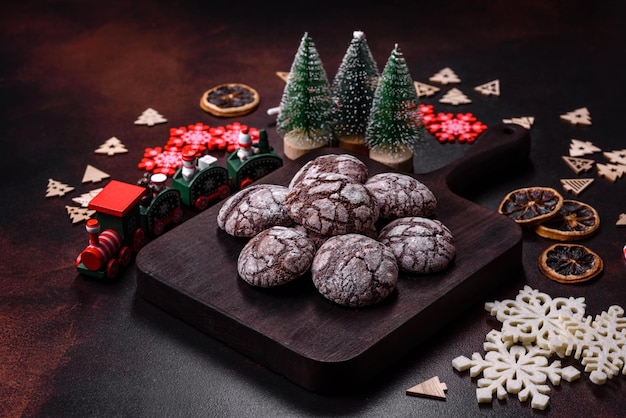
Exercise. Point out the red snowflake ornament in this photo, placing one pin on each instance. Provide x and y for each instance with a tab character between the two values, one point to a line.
200	137
447	127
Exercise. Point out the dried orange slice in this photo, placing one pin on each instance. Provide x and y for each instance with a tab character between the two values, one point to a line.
531	205
575	220
570	263
230	99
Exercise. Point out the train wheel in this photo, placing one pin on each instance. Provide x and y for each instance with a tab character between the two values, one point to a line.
138	239
245	182
224	191
113	267
177	215
158	227
202	203
125	255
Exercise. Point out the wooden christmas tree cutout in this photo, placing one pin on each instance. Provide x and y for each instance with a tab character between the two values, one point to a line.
431	388
425	90
455	97
445	76
93	175
283	75
77	214
150	117
111	146
526	121
616	157
578	117
491	88
85	198
576	186
579	148
611	171
56	188
578	164
621	221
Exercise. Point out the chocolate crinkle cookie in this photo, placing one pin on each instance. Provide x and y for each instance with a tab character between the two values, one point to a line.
345	164
420	245
332	204
400	195
275	256
253	209
354	270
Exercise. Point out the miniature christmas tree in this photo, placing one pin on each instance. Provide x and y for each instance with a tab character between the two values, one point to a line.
307	110
395	125
353	91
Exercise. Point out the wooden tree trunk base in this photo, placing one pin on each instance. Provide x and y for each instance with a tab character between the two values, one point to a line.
401	160
355	144
294	147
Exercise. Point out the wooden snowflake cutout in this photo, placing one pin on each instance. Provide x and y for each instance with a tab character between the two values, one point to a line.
94	175
425	90
576	186
578	165
431	388
84	199
150	117
578	117
77	214
491	88
579	148
525	121
616	157
600	343
111	146
521	369
611	172
56	188
455	97
534	316
445	76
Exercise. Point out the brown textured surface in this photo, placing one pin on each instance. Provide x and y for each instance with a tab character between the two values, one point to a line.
75	73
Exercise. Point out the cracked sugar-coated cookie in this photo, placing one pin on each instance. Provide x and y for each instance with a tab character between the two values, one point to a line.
253	209
354	270
332	204
420	245
345	164
275	256
400	195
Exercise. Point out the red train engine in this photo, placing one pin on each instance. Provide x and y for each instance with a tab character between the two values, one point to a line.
116	232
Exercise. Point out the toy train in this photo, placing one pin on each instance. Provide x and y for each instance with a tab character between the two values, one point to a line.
126	213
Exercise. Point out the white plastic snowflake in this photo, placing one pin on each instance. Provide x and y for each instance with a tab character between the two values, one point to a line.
535	327
534	317
520	369
600	342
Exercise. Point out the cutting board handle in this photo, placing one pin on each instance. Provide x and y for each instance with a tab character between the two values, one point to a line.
501	149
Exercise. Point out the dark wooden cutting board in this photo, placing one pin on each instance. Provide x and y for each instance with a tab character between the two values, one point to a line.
191	273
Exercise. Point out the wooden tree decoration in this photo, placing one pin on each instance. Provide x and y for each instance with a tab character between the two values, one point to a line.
353	91
395	125
307	110
150	117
